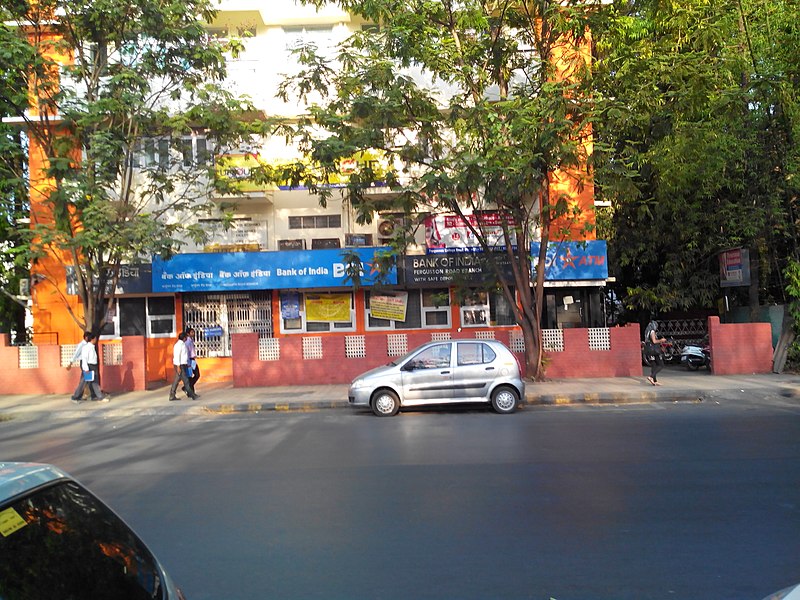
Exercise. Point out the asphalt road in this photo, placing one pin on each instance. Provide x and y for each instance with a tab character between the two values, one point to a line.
667	501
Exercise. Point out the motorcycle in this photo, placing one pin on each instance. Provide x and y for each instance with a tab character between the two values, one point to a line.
695	357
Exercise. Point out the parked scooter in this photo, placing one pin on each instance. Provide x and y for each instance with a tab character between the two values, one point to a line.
695	357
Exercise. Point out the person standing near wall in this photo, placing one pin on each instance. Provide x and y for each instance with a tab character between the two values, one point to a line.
194	368
180	362
91	368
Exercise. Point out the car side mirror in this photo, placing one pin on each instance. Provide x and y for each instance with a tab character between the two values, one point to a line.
410	366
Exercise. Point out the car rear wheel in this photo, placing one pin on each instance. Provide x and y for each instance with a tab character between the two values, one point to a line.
385	403
505	400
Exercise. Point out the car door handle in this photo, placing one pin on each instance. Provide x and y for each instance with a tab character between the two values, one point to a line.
490	368
445	373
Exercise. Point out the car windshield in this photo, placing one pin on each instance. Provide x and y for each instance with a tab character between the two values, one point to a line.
62	542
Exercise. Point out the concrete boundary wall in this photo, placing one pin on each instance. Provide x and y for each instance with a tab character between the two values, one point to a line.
740	348
49	377
737	348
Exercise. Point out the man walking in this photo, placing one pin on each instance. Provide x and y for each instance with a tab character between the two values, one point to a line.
180	362
77	395
91	369
194	368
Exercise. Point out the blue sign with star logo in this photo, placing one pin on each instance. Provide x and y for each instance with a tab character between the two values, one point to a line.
287	269
571	261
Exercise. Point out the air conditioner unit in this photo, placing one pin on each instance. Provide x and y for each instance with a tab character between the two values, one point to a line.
388	226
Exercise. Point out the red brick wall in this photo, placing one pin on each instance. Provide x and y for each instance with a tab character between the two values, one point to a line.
51	378
740	348
624	359
132	373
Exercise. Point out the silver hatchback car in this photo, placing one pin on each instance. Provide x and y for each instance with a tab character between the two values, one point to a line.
446	372
59	541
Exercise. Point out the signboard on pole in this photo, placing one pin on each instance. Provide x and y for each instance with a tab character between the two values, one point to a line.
734	267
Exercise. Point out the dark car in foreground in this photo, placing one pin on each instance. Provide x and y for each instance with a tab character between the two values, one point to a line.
443	372
58	541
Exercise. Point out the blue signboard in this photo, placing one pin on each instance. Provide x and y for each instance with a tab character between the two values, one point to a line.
572	261
262	270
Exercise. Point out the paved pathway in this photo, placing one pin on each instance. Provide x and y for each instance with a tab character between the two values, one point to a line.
678	385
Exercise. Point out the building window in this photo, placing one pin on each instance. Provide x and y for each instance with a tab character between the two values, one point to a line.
436	308
320	36
425	309
316	222
151	317
482	308
155	152
315	312
161	317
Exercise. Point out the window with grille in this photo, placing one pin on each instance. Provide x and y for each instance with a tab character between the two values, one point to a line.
215	317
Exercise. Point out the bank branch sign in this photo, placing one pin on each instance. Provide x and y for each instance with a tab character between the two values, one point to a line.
262	270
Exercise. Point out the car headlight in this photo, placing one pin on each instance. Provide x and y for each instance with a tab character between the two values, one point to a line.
357	383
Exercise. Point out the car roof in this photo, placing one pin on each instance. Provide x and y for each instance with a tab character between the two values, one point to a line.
18	478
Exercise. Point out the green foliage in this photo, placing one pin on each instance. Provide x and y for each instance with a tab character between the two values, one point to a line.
792	275
145	77
697	142
464	105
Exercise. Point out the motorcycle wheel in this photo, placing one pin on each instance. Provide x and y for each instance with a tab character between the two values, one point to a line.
692	366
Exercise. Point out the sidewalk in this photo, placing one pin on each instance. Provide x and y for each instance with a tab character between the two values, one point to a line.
678	385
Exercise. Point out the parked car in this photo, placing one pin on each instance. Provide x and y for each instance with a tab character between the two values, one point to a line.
58	541
790	593
445	372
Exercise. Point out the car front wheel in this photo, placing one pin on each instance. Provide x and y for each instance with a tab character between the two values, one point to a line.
505	400
385	403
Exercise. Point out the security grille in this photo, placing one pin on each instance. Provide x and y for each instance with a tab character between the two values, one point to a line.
683	332
553	340
112	354
484	335
355	346
67	352
440	336
28	357
312	348
269	349
516	342
599	338
215	317
396	344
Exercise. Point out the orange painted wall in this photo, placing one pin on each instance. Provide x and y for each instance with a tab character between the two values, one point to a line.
575	184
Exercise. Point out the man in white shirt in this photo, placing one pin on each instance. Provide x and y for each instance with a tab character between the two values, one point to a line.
77	395
180	362
90	368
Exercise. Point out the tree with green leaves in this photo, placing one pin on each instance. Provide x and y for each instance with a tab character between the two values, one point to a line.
13	190
473	106
699	127
123	101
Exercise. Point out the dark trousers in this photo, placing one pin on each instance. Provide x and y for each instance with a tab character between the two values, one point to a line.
195	374
657	363
94	386
181	375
